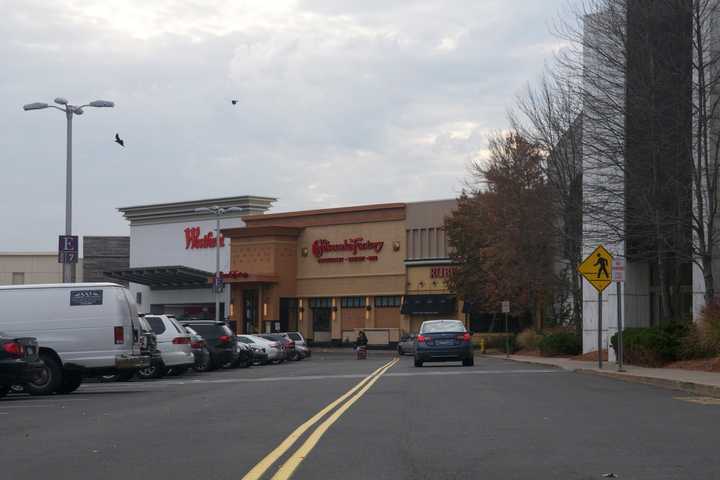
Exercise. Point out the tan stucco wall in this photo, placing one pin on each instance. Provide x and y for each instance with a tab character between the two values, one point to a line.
384	276
419	280
37	267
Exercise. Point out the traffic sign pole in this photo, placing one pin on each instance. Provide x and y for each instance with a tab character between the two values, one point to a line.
599	323
619	351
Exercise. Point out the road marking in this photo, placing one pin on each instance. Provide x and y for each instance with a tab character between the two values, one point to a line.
292	463
263	465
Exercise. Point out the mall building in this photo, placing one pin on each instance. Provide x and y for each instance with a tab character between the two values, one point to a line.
330	273
172	254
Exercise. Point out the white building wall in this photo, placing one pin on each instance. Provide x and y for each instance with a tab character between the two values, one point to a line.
164	244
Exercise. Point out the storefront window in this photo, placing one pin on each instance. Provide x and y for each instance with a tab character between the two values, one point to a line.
352	302
385	301
320	303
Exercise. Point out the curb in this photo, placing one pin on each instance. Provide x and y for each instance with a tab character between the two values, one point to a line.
679	385
690	387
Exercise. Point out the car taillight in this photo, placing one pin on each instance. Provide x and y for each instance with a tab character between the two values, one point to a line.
14	349
181	340
119	335
198	344
224	339
464	337
291	344
422	338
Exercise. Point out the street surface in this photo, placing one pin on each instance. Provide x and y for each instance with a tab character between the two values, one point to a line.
496	420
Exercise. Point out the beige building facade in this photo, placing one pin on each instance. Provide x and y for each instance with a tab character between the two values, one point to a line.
330	273
21	268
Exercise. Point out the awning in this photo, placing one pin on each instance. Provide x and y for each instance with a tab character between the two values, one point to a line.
165	277
428	305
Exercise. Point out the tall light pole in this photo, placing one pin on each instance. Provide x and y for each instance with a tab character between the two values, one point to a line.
218	212
69	111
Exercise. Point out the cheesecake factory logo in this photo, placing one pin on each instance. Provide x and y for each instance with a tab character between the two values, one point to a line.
354	246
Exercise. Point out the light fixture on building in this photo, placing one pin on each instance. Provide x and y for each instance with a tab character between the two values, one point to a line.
305	252
396	246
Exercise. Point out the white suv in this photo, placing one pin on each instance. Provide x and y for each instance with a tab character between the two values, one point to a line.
174	343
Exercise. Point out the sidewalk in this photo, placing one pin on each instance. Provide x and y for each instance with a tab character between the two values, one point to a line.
701	383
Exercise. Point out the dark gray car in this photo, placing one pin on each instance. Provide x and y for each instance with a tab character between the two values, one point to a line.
443	341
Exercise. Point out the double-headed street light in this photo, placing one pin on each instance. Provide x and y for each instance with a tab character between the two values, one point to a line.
218	212
69	111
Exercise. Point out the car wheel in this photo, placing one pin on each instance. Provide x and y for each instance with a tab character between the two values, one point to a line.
4	390
206	364
153	371
418	363
49	379
469	362
400	351
70	382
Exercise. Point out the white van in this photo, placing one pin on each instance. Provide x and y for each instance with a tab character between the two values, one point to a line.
83	329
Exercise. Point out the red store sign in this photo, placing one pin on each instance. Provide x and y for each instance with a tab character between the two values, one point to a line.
441	272
352	245
193	240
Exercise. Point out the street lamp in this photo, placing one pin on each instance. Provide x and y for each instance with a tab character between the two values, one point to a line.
218	212
69	111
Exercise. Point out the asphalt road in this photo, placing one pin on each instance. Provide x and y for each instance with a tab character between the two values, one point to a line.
497	420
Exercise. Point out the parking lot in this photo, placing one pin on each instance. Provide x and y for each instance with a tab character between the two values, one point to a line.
441	421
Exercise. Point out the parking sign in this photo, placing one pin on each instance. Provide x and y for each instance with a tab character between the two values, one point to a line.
67	249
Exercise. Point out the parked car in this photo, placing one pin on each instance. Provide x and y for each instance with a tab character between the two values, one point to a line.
287	342
245	355
150	341
274	349
219	340
19	361
83	329
200	351
175	347
407	344
259	352
300	344
442	341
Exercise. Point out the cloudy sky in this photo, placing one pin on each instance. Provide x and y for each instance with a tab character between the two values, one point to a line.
340	102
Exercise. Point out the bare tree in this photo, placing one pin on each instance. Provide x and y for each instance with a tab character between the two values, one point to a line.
549	115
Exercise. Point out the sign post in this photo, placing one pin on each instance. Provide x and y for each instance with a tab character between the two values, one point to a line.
597	269
505	307
619	278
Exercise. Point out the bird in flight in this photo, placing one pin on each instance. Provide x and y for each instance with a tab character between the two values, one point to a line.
119	140
234	102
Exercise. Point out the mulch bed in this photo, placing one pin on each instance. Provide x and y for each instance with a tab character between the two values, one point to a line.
703	364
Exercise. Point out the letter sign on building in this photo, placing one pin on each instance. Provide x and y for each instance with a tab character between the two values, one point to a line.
354	246
193	240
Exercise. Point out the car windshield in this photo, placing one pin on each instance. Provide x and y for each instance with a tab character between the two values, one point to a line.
295	336
443	326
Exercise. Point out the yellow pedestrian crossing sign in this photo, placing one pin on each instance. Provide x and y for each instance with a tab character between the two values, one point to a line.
597	268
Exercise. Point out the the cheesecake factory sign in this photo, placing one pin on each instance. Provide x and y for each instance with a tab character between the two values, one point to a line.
351	250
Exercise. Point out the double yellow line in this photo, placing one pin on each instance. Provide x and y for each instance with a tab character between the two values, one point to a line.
294	461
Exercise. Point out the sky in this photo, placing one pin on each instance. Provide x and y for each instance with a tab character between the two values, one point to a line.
339	102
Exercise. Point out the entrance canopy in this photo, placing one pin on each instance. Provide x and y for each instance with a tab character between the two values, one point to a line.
165	277
428	305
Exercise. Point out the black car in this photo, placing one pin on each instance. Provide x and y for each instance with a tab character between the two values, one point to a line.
220	342
19	361
442	341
